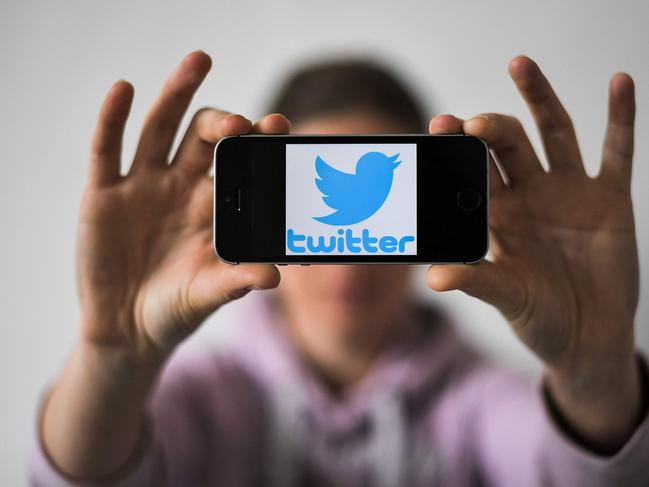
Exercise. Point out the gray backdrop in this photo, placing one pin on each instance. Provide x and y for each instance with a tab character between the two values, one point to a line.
57	59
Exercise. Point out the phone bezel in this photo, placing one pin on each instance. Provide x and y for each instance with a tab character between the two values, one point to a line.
354	259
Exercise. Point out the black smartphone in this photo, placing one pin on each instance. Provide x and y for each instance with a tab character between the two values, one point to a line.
334	199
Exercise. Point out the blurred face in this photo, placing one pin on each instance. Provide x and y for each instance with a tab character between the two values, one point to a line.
346	298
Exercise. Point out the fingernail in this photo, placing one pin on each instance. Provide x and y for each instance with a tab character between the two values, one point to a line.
237	115
240	293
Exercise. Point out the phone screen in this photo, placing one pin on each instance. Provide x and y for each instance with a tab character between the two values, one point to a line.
351	199
308	199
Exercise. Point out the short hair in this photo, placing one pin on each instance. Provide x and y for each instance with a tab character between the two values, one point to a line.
343	85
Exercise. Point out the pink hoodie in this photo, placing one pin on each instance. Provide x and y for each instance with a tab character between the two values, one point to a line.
431	412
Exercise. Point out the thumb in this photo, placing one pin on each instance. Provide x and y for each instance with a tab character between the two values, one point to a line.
220	283
485	280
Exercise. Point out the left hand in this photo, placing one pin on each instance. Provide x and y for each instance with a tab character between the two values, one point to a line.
564	261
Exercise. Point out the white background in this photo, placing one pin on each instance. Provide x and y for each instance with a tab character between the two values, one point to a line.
397	216
57	59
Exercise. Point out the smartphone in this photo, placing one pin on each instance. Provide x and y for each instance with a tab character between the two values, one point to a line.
342	199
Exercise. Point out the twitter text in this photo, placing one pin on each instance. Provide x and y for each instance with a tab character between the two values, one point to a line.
346	242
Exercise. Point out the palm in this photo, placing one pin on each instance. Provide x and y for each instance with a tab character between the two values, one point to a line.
564	237
564	265
144	245
147	273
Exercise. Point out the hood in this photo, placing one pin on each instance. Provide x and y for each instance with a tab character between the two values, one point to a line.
406	375
411	367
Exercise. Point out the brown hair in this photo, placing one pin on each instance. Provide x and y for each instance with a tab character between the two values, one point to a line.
343	85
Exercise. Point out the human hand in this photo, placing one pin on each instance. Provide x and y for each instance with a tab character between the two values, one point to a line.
146	267
564	261
147	274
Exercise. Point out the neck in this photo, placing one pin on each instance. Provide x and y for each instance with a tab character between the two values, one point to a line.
341	357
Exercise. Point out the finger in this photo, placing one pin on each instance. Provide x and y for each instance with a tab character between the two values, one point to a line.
506	136
449	124
208	126
106	147
273	124
445	124
220	283
484	280
497	175
164	117
554	124
617	155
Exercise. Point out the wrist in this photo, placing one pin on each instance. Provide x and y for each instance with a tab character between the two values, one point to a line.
600	403
93	418
116	368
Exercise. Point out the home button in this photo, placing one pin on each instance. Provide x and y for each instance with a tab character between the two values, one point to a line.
468	199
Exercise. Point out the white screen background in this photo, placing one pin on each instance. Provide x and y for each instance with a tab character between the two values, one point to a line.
397	217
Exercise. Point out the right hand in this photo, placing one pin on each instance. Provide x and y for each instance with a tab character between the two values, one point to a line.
147	274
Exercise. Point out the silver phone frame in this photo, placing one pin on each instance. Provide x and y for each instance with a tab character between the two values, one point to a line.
307	263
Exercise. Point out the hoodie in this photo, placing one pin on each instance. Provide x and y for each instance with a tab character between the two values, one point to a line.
431	411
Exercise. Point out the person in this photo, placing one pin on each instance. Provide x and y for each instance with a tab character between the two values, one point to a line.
339	376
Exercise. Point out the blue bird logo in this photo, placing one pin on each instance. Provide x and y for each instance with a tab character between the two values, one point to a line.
355	197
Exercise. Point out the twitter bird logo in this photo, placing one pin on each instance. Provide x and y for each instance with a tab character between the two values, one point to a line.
355	197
